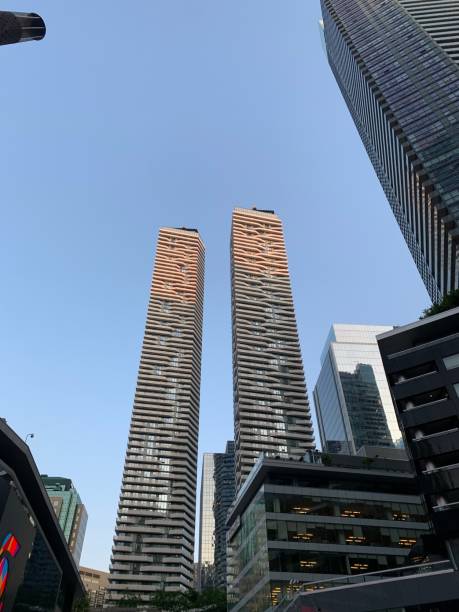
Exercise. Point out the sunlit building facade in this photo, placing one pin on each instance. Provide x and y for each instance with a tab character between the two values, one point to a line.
397	65
69	510
352	398
271	408
154	536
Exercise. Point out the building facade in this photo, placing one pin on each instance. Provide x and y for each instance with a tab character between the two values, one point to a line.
207	523
296	522
397	65
154	536
225	492
422	366
352	398
69	510
271	409
95	582
37	569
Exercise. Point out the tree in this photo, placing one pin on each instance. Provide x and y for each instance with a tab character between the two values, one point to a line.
450	300
81	605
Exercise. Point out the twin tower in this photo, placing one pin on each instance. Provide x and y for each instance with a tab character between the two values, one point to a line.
154	536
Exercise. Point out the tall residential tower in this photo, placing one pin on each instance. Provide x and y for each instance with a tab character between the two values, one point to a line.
397	65
271	409
154	536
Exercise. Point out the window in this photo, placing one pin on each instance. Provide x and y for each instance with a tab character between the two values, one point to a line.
451	362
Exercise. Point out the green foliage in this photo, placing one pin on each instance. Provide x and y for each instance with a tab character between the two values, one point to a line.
326	459
451	300
211	600
130	601
81	605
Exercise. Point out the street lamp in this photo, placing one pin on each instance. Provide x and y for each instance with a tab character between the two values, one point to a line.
20	27
30	435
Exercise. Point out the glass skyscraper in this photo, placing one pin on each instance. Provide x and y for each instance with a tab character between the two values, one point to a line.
154	538
271	408
225	490
207	522
70	511
352	398
397	65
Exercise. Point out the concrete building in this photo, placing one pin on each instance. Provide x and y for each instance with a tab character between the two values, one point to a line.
352	398
207	523
154	536
422	365
397	65
37	569
96	583
297	522
225	491
271	409
69	510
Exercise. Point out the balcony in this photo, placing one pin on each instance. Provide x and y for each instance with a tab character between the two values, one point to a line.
435	444
441	479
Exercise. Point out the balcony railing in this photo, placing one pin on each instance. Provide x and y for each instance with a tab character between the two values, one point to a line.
296	590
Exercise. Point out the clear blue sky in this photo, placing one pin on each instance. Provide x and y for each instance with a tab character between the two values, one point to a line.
131	116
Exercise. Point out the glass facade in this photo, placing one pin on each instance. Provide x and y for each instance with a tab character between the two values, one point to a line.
225	489
352	398
70	512
396	63
289	535
207	522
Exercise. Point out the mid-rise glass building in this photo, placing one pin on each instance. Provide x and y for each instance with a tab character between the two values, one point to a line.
352	398
397	65
297	522
69	510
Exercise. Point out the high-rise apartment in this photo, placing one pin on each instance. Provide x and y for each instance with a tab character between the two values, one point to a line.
69	510
271	409
154	536
207	523
352	398
224	497
397	64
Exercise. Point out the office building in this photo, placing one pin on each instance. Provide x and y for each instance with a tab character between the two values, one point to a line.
352	398
95	582
69	510
329	516
37	569
154	536
397	65
271	409
207	523
20	27
422	365
225	491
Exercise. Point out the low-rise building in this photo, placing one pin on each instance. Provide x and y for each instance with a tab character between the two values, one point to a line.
37	570
96	583
327	516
